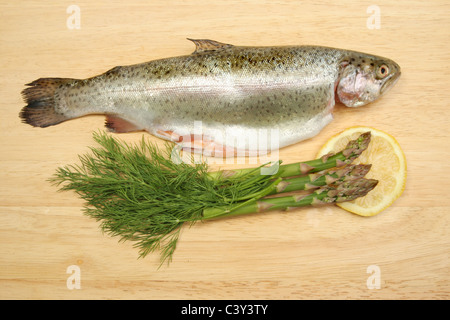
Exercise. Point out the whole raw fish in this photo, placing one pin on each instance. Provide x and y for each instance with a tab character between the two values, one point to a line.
221	98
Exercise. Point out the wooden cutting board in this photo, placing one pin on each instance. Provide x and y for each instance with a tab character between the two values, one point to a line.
50	250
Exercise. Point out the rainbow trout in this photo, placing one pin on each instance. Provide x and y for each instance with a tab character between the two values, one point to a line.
221	98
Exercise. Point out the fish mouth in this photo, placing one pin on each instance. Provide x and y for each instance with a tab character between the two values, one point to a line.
390	82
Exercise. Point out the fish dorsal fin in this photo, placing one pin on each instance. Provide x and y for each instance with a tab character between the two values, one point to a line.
203	45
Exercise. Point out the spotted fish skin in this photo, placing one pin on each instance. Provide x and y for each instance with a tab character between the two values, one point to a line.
220	94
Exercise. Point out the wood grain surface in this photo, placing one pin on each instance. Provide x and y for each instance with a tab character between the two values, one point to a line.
319	253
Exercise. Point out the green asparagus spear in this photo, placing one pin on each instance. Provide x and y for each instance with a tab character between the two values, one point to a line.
334	193
311	181
316	180
353	149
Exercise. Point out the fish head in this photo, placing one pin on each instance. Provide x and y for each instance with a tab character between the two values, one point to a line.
364	78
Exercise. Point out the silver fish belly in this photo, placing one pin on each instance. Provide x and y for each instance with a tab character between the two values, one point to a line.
221	97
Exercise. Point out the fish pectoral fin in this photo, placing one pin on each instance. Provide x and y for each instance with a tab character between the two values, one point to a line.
119	125
205	45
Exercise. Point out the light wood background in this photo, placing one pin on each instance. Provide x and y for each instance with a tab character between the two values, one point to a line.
314	253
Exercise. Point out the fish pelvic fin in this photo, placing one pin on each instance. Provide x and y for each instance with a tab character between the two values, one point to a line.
115	123
40	98
205	45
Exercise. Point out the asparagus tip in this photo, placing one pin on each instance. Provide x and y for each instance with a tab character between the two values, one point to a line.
355	189
355	147
357	171
346	191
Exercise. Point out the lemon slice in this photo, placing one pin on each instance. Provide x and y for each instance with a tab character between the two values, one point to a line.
388	167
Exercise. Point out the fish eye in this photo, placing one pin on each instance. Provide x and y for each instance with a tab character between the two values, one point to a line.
382	71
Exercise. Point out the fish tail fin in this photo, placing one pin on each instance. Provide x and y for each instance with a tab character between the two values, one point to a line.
40	98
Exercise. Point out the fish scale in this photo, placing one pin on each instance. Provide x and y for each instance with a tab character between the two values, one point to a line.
221	98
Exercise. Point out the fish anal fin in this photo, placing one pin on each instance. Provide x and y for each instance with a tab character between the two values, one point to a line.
205	45
119	125
200	144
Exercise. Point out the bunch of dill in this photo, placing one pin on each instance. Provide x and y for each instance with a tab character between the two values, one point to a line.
140	194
